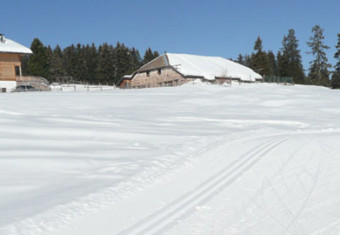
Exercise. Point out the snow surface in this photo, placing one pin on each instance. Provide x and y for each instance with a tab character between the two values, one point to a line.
210	67
196	159
11	46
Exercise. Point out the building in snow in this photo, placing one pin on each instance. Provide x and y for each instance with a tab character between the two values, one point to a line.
172	69
10	63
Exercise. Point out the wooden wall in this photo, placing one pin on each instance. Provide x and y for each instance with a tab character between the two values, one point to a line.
8	62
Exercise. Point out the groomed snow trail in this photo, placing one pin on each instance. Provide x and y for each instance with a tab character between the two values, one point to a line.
202	193
249	159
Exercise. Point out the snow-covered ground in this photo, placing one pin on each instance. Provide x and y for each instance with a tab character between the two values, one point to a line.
202	159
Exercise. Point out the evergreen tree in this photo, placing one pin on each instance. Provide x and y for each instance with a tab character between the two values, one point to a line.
137	60
49	56
91	57
69	60
259	59
336	75
80	68
56	68
240	59
272	63
282	65
318	71
106	69
248	60
123	60
291	53
37	64
24	65
150	55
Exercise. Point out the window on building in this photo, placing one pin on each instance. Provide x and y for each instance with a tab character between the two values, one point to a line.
17	71
148	73
159	71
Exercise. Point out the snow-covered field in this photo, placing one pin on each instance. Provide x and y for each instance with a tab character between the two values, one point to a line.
202	159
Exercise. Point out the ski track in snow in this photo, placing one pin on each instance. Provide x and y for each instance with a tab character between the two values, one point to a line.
183	206
213	160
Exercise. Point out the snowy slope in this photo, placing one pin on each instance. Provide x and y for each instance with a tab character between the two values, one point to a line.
210	67
202	159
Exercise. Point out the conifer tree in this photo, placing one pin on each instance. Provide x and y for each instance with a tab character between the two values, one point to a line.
56	69
259	59
91	55
282	65
123	60
248	60
106	69
37	64
80	67
49	56
137	60
291	53
272	63
336	75
69	60
240	59
149	55
318	71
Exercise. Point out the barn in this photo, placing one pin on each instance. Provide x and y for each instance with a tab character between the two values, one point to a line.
172	69
10	63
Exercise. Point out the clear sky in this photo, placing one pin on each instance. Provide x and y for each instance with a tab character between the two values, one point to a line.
218	28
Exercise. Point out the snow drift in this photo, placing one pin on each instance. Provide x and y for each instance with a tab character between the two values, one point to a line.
200	159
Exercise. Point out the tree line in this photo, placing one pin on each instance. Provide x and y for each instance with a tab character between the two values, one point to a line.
288	61
105	64
108	63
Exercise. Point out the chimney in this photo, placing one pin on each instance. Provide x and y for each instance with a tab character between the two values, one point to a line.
2	38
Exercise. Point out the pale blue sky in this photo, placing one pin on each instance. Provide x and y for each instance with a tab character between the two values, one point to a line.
218	28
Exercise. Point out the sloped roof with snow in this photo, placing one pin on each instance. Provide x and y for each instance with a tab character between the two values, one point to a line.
210	67
10	46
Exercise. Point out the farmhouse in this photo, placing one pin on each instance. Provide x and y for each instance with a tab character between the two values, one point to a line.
172	69
10	63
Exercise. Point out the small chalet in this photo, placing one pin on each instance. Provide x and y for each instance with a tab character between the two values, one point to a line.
10	63
172	69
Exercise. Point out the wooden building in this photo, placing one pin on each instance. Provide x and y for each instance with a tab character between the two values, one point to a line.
172	69
10	63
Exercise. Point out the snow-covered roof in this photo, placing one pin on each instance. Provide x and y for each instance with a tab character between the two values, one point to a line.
210	67
9	46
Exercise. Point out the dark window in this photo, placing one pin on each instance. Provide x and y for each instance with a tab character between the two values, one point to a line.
148	74
159	71
17	71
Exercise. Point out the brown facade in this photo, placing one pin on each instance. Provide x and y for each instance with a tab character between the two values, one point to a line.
10	66
125	83
157	78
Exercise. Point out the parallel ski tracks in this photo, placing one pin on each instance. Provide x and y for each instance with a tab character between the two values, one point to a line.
168	215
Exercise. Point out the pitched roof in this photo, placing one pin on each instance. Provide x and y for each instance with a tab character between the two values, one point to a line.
208	67
9	46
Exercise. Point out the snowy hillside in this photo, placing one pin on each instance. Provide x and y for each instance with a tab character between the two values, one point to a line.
203	159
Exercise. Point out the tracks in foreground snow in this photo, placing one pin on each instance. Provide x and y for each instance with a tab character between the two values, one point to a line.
167	216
